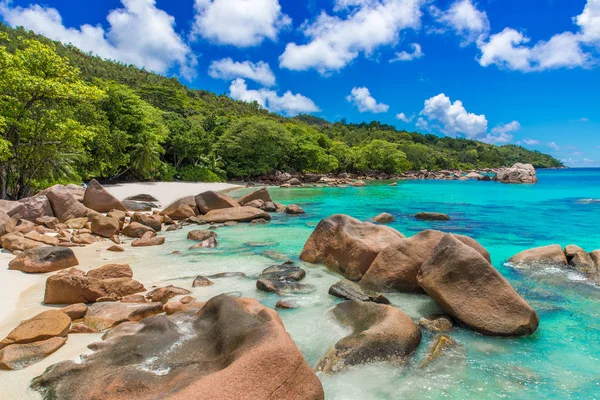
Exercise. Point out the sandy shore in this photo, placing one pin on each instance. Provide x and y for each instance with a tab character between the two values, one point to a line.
165	192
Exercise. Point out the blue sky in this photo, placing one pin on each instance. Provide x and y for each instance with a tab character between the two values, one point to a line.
501	71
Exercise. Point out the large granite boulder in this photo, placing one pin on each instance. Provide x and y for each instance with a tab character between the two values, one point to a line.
110	271
181	209
396	266
106	315
380	333
104	226
238	214
148	220
44	259
518	173
136	230
347	244
211	200
13	209
99	199
64	204
46	325
7	224
16	241
469	289
18	356
231	349
258	194
36	207
552	255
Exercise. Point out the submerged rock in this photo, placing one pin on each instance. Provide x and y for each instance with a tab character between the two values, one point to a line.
44	259
348	290
384	218
283	272
230	349
294	209
284	287
201	235
148	239
432	216
436	323
347	244
380	333
440	346
468	288
552	255
201	281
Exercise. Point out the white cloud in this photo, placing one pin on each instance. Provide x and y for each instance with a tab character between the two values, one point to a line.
335	41
138	34
511	49
553	145
507	128
531	142
228	69
583	119
240	23
406	56
402	117
451	118
289	104
502	133
465	19
361	98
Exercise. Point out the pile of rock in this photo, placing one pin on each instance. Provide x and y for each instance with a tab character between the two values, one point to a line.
454	270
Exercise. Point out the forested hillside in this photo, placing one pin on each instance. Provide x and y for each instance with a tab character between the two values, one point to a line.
66	116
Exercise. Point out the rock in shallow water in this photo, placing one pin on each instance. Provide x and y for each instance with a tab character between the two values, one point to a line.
348	290
230	349
432	216
283	287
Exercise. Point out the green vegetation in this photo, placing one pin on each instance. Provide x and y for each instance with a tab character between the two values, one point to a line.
67	116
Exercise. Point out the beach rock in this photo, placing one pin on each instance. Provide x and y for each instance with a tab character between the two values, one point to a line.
119	216
115	248
44	259
201	281
36	207
227	275
269	207
259	221
239	214
49	222
209	243
474	175
104	226
294	182
258	194
42	238
393	184
285	305
238	347
131	205
181	209
432	216
148	239
103	316
142	197
210	200
99	199
396	267
595	255
16	241
380	333
148	220
552	255
255	204
76	223
468	288
136	230
436	323
347	244
185	304
518	173
294	209
201	235
384	218
46	325
283	272
283	287
584	264
23	227
18	356
13	209
75	311
82	328
571	250
65	205
348	290
7	224
359	184
110	271
84	238
134	298
164	294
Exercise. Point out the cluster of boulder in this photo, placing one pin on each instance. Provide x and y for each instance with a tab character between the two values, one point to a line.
572	257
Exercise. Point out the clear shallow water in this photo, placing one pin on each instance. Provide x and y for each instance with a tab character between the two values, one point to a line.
561	360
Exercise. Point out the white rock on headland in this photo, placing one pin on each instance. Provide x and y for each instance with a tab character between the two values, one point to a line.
518	173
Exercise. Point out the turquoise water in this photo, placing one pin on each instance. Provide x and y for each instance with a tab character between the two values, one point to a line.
561	360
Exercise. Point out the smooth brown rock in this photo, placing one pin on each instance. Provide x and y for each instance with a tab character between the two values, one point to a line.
148	220
84	238
380	333
239	349
396	267
164	294
359	184
552	255
104	226
183	306
285	305
44	259
201	235
116	248
48	221
99	199
7	224
82	328
595	256
42	238
136	230
469	289
518	173
346	244
110	271
24	227
64	204
102	316
384	218
134	298
142	197
181	209
36	207
294	209
148	239
209	243
211	200
18	356
13	209
432	216
201	281
584	264
437	323
76	223
46	325
258	194
17	242
239	214
348	290
255	204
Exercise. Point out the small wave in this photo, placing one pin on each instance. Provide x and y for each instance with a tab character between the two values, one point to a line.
588	201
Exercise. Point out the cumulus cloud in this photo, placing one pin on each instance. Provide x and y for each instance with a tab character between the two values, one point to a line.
334	41
554	146
464	18
451	118
511	49
361	98
240	23
406	56
402	117
228	69
139	34
502	133
507	128
289	103
531	142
